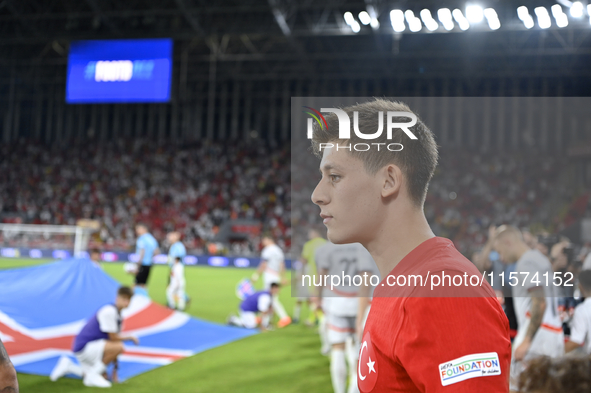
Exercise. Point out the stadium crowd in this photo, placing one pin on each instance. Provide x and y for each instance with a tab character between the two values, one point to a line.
191	187
471	191
197	187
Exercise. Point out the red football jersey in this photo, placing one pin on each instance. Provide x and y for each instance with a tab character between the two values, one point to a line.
442	339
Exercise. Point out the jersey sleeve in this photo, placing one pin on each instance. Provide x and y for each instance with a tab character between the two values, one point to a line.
264	302
265	255
175	251
107	318
320	256
306	251
534	277
579	328
178	271
279	254
140	243
443	344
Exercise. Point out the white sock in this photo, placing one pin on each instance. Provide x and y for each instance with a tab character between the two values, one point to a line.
235	320
265	320
99	367
338	370
75	369
323	332
170	296
67	367
181	300
296	311
352	350
278	308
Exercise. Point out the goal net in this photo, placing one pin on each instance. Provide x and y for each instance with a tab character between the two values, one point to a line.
46	241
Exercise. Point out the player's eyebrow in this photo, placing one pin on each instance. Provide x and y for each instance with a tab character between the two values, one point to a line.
328	167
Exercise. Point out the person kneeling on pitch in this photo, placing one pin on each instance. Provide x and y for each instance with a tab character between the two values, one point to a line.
256	309
98	344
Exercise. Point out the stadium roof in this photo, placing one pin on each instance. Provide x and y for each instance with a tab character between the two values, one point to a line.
238	62
283	39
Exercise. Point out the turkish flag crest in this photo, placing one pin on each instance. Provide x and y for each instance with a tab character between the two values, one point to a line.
367	368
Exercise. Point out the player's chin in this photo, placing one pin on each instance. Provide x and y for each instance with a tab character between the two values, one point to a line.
340	237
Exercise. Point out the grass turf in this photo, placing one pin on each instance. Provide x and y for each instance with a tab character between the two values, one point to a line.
284	360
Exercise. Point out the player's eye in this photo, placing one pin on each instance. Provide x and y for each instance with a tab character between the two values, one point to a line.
334	178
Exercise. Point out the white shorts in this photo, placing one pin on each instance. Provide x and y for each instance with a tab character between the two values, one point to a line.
269	279
546	342
92	353
176	284
341	306
248	319
339	328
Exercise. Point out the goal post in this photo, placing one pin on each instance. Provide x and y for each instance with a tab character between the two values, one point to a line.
33	236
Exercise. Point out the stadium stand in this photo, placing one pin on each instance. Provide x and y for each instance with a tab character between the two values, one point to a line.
197	187
193	187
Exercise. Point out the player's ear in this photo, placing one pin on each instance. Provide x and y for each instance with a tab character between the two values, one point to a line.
391	180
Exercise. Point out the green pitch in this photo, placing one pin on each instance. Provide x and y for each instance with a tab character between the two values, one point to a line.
283	360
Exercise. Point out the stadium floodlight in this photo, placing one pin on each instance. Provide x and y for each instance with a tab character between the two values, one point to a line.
414	23
349	19
353	24
474	13
559	16
397	20
444	16
428	20
373	22
461	19
525	17
576	10
364	18
543	17
492	18
523	13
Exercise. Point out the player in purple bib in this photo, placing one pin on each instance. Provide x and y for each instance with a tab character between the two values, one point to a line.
256	309
98	344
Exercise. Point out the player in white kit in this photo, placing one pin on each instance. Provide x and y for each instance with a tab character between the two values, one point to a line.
535	299
272	267
580	326
341	307
175	292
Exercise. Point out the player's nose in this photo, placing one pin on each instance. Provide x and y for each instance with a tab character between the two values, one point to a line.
319	196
